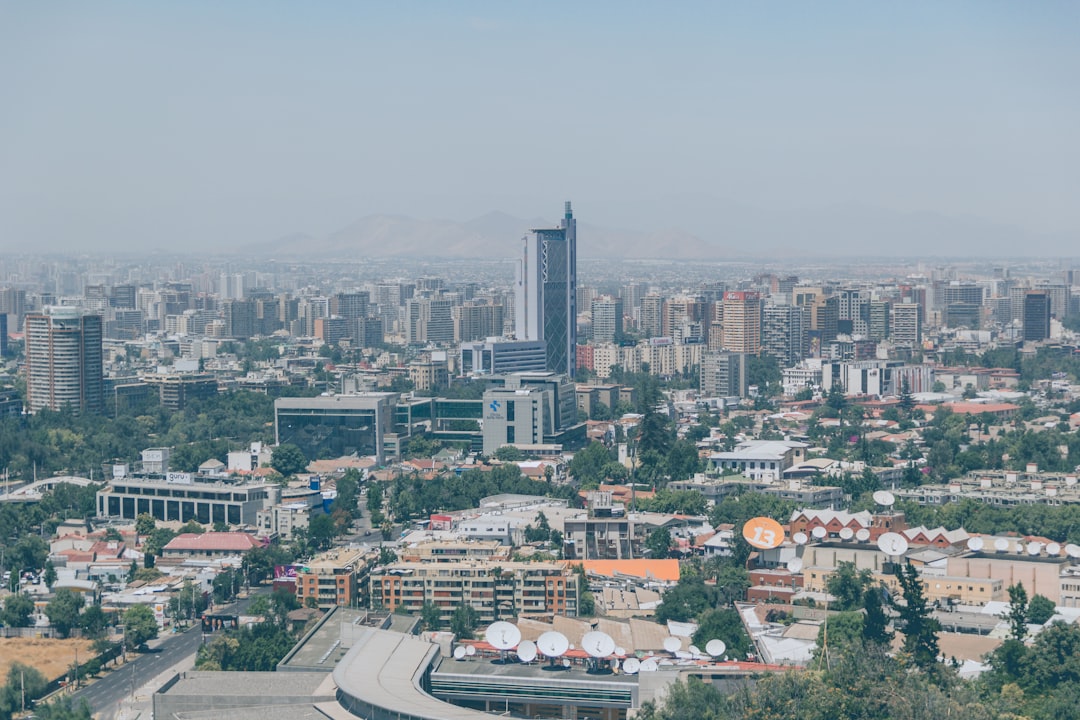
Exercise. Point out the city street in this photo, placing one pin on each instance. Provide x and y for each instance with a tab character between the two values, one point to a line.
106	693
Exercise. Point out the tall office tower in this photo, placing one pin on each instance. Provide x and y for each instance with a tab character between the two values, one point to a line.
854	312
907	324
963	315
477	321
428	320
122	296
3	334
13	303
545	304
231	286
430	284
681	311
1036	315
1059	298
631	295
607	318
652	316
742	322
585	295
64	361
240	319
785	287
1016	302
267	315
351	306
784	333
369	332
877	324
724	374
95	297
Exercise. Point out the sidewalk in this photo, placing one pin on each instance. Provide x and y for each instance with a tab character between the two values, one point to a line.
141	707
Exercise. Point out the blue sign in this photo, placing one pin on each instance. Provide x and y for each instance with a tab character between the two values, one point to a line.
494	405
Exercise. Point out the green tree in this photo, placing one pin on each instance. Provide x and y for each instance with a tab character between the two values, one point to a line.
723	624
689	598
875	622
848	585
63	610
49	574
586	600
18	609
430	616
63	707
386	556
145	524
1017	614
463	621
919	626
659	543
588	464
139	625
288	459
509	453
1040	609
192	526
321	531
24	685
94	622
683	460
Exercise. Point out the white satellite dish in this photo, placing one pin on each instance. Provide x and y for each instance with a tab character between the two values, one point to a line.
975	544
1072	550
566	662
459	652
1034	548
631	665
470	650
526	651
1019	547
893	544
648	665
800	538
552	644
621	651
795	565
819	532
672	644
1001	544
862	534
502	635
696	650
884	497
846	533
1053	549
598	644
715	647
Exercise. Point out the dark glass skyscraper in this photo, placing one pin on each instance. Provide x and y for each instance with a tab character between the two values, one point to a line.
545	306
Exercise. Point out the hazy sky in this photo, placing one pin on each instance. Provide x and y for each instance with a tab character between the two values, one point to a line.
205	125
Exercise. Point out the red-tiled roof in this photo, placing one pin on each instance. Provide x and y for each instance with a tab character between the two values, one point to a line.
213	542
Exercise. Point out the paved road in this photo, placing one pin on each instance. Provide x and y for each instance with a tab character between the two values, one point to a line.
112	688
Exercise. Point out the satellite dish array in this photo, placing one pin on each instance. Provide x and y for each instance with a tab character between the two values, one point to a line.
1033	548
502	636
599	645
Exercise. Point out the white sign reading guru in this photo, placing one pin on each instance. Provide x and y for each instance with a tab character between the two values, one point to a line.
179	477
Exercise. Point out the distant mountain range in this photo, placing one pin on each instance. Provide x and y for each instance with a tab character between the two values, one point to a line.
702	228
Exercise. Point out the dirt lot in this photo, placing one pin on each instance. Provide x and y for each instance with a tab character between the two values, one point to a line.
48	656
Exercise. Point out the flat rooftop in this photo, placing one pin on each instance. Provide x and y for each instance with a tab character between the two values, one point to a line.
246	684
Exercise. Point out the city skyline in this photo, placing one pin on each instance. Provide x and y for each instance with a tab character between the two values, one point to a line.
835	130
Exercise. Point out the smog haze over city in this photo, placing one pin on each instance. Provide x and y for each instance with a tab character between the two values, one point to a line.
686	130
